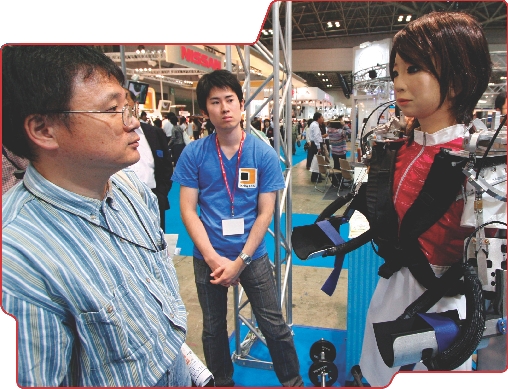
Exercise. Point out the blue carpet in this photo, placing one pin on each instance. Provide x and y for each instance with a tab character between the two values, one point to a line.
304	337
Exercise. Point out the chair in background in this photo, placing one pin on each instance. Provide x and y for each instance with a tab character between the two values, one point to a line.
348	173
326	170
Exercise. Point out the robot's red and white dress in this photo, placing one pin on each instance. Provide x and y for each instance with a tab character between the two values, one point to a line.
442	245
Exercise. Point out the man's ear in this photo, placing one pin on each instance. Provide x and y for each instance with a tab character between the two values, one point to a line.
242	105
41	131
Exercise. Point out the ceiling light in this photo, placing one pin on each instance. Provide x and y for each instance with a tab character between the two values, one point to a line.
365	44
408	18
401	18
502	78
271	31
337	24
330	24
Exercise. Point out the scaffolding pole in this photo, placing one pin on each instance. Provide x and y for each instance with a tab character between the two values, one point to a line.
281	113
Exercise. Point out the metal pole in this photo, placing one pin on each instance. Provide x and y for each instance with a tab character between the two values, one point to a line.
289	141
229	65
248	110
122	63
276	136
160	80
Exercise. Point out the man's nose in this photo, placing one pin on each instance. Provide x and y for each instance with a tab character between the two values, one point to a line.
134	123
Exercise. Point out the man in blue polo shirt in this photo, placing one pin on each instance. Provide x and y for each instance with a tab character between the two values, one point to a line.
233	177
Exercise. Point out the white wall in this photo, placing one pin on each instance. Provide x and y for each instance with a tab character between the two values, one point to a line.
313	60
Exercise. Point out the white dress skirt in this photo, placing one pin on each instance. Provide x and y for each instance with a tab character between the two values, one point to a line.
390	299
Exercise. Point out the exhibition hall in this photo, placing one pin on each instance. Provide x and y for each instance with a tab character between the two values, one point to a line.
325	206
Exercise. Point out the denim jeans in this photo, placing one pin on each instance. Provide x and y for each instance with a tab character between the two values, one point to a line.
178	375
258	282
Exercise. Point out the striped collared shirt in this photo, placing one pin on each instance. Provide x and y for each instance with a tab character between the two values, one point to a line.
91	284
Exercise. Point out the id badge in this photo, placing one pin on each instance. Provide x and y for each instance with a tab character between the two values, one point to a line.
232	227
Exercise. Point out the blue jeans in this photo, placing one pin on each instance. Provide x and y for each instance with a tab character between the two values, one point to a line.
259	284
178	375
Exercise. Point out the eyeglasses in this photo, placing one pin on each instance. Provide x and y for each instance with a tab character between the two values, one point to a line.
127	113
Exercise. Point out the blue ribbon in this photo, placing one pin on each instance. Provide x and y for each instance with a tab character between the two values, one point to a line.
331	283
445	328
446	331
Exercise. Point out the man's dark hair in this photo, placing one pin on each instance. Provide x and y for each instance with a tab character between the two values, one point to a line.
40	79
499	102
143	113
316	116
220	79
173	120
452	47
157	123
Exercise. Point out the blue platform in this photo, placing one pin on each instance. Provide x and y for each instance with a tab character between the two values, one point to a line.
304	337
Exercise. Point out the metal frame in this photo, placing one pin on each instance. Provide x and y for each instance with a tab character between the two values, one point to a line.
281	98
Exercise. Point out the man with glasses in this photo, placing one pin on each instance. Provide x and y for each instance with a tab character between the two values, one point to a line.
85	266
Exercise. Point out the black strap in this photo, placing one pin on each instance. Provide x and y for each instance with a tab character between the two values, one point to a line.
437	195
381	211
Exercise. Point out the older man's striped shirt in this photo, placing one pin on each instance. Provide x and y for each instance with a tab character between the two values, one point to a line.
91	285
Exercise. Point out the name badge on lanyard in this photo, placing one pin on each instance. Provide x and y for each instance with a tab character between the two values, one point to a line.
233	226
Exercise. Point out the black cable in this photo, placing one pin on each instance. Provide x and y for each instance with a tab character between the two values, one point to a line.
482	162
367	120
381	114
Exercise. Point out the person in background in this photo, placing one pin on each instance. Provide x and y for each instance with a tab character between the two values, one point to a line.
143	117
500	103
209	127
158	123
233	177
440	91
294	135
196	131
256	123
13	169
182	122
346	126
323	127
177	142
305	127
316	142
168	126
337	134
85	266
154	167
268	130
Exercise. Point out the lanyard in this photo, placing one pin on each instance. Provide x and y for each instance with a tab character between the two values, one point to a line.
231	195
